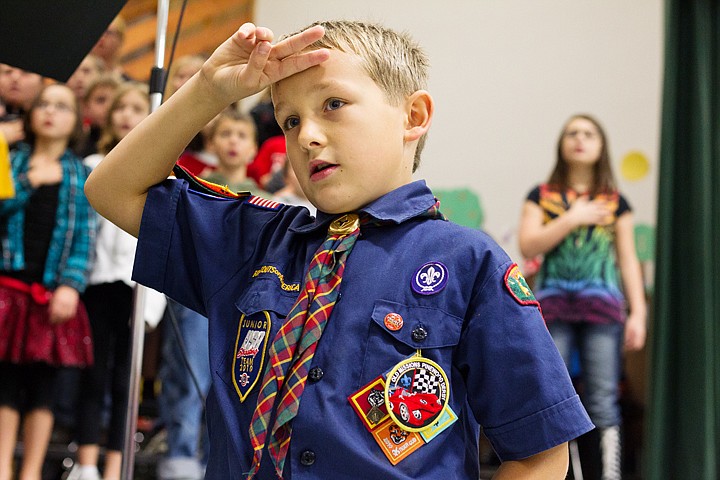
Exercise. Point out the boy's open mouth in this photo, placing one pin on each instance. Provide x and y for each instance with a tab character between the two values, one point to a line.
318	166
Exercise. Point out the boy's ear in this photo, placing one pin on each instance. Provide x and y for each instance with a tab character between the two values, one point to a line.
420	108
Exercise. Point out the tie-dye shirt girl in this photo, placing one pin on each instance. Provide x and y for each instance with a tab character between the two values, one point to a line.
579	279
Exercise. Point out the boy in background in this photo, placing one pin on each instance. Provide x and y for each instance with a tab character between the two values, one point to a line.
232	137
386	368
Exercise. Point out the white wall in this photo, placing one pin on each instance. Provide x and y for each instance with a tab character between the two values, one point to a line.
505	76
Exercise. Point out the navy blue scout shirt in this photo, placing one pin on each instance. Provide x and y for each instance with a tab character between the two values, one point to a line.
242	265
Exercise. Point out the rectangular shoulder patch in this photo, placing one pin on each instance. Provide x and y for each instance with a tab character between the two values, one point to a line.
264	203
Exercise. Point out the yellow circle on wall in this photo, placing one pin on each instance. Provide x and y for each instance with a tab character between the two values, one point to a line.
634	166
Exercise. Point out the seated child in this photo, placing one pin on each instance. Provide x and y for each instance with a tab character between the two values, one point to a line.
386	368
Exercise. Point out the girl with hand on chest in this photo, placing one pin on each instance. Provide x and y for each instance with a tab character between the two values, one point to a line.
47	235
590	284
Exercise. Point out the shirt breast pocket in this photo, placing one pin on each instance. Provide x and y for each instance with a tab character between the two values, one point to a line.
398	331
260	313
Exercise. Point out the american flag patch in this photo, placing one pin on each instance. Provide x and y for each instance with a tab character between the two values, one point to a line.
264	202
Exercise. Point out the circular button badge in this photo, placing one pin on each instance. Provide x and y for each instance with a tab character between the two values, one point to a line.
393	322
429	279
416	393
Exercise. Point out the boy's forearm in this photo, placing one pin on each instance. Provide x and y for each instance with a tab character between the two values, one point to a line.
550	464
118	186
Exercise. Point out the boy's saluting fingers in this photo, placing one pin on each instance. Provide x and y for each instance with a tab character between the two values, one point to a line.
296	43
247	62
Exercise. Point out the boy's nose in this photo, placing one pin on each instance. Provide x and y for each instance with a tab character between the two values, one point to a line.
310	135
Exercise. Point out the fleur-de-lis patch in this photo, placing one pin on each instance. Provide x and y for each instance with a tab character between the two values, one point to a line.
430	278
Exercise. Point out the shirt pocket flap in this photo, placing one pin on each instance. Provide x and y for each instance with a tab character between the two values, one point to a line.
421	327
265	296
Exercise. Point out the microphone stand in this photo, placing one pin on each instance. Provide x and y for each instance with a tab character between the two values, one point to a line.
138	317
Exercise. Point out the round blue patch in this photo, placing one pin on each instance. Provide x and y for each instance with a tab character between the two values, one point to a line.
429	279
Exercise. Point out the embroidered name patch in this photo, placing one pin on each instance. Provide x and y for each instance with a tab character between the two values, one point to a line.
291	287
249	356
518	287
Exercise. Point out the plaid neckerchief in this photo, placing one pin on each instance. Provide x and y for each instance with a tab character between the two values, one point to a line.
294	345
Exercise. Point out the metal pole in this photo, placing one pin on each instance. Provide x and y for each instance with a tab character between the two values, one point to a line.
156	93
136	354
138	314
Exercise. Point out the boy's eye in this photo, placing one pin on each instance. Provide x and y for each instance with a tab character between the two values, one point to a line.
290	122
334	104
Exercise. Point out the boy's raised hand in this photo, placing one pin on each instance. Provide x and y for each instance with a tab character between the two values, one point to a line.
246	63
243	65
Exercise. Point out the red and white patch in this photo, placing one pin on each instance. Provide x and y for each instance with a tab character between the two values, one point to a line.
264	202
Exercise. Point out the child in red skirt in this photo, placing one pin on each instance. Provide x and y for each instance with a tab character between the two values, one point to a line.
46	238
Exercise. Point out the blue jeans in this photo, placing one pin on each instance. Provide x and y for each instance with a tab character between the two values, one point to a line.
181	410
599	348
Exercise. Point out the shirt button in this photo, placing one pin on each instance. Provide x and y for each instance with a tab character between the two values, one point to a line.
307	458
419	334
315	374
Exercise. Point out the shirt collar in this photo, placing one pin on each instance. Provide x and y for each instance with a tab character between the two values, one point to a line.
397	206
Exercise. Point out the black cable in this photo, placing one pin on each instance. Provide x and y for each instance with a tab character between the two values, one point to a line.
183	352
162	80
174	44
173	319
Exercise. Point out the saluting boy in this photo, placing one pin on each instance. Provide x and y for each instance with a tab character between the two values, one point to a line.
371	341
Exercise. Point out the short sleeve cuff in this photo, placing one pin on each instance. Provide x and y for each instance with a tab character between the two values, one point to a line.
538	432
153	247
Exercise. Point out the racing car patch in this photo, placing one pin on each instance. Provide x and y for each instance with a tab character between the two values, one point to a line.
416	393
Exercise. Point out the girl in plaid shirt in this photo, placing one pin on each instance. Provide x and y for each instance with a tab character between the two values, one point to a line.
47	239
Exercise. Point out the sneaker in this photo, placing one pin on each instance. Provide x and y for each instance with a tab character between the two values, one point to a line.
83	472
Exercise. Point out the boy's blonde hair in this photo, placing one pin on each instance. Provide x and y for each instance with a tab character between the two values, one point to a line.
391	59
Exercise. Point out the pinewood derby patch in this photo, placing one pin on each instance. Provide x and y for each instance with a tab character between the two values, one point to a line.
249	353
416	393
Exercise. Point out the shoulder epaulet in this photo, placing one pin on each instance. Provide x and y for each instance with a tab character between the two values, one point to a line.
197	184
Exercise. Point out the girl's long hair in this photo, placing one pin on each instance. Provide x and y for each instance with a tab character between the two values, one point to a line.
603	179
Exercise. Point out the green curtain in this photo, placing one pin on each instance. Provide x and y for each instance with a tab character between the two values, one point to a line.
683	419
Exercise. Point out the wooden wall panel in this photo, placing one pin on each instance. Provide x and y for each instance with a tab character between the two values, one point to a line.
206	24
